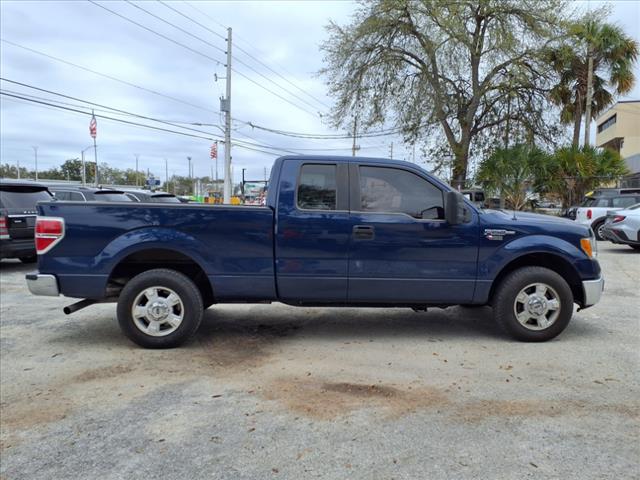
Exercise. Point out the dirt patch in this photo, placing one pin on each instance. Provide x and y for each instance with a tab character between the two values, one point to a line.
101	373
325	401
230	345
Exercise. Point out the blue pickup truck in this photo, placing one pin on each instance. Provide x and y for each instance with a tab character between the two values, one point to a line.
336	231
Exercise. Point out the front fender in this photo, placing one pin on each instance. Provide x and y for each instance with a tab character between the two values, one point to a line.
492	260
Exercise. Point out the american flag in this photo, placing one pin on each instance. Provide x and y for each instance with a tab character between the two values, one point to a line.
93	126
214	150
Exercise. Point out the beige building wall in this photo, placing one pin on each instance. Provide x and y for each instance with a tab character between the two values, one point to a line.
619	129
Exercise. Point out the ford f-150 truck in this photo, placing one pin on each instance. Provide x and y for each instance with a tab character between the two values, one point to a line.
335	231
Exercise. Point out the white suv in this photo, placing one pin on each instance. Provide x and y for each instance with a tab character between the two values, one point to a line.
593	211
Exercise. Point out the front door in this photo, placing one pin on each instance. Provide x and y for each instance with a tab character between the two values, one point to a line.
312	232
402	250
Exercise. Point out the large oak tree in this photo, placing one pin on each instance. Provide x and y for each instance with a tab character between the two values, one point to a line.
466	72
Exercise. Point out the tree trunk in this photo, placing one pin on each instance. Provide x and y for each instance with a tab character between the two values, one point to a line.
459	177
577	118
587	109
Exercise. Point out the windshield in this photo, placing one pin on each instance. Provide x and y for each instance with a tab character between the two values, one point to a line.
22	197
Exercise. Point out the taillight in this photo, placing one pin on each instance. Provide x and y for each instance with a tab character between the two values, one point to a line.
49	231
4	229
618	218
589	214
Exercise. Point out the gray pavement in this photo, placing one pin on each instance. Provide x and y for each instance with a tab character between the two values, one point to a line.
270	391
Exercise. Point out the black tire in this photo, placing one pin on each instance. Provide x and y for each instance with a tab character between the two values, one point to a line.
635	247
31	259
504	303
182	286
596	227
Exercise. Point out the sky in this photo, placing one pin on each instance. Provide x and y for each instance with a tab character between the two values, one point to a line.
275	84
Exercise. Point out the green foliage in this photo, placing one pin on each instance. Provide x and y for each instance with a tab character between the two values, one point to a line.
509	171
467	73
571	172
614	55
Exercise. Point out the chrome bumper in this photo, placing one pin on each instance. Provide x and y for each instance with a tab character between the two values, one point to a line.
592	291
41	284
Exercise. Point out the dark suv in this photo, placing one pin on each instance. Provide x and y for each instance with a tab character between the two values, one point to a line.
18	200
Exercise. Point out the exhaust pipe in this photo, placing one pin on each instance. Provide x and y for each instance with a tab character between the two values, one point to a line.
74	307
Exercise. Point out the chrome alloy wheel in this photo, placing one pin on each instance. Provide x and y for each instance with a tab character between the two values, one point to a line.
157	311
537	306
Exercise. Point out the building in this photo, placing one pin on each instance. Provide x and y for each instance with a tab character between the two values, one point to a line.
619	129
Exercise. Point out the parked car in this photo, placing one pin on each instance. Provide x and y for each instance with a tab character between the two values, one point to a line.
623	226
18	199
475	196
593	211
82	193
152	197
335	231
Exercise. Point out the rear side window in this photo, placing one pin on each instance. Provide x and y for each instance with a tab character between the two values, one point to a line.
596	202
22	197
111	197
132	197
317	188
622	202
165	199
392	190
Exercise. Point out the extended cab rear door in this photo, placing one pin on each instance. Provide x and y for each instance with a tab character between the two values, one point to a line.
402	249
312	231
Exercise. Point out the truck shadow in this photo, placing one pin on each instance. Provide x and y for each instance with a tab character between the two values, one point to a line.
12	266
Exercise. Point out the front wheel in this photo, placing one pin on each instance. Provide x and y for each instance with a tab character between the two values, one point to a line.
160	308
533	304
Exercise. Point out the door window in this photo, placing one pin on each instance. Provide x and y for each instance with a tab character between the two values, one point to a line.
317	188
392	190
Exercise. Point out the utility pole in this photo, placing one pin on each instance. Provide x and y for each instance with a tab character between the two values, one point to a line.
18	162
35	149
391	151
242	189
226	108
137	180
190	178
95	149
166	174
355	133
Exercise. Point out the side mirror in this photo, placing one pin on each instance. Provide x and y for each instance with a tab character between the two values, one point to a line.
453	208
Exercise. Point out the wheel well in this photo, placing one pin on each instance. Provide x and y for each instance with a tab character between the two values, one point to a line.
546	260
144	260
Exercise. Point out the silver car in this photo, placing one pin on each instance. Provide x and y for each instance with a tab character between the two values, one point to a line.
623	226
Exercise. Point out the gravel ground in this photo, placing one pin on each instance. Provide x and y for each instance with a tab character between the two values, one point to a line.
272	391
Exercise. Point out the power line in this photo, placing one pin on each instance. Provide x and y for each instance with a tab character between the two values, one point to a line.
243	50
320	136
250	56
240	144
144	117
110	77
104	116
197	52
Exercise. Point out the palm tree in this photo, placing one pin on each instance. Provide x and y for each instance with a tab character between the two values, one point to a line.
596	65
509	171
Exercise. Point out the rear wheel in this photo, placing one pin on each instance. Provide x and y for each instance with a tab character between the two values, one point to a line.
533	304
160	308
635	247
598	229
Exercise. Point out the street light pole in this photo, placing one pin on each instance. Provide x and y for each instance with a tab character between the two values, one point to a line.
84	169
137	181
35	149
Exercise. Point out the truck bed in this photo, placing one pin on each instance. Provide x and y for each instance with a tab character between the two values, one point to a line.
233	245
